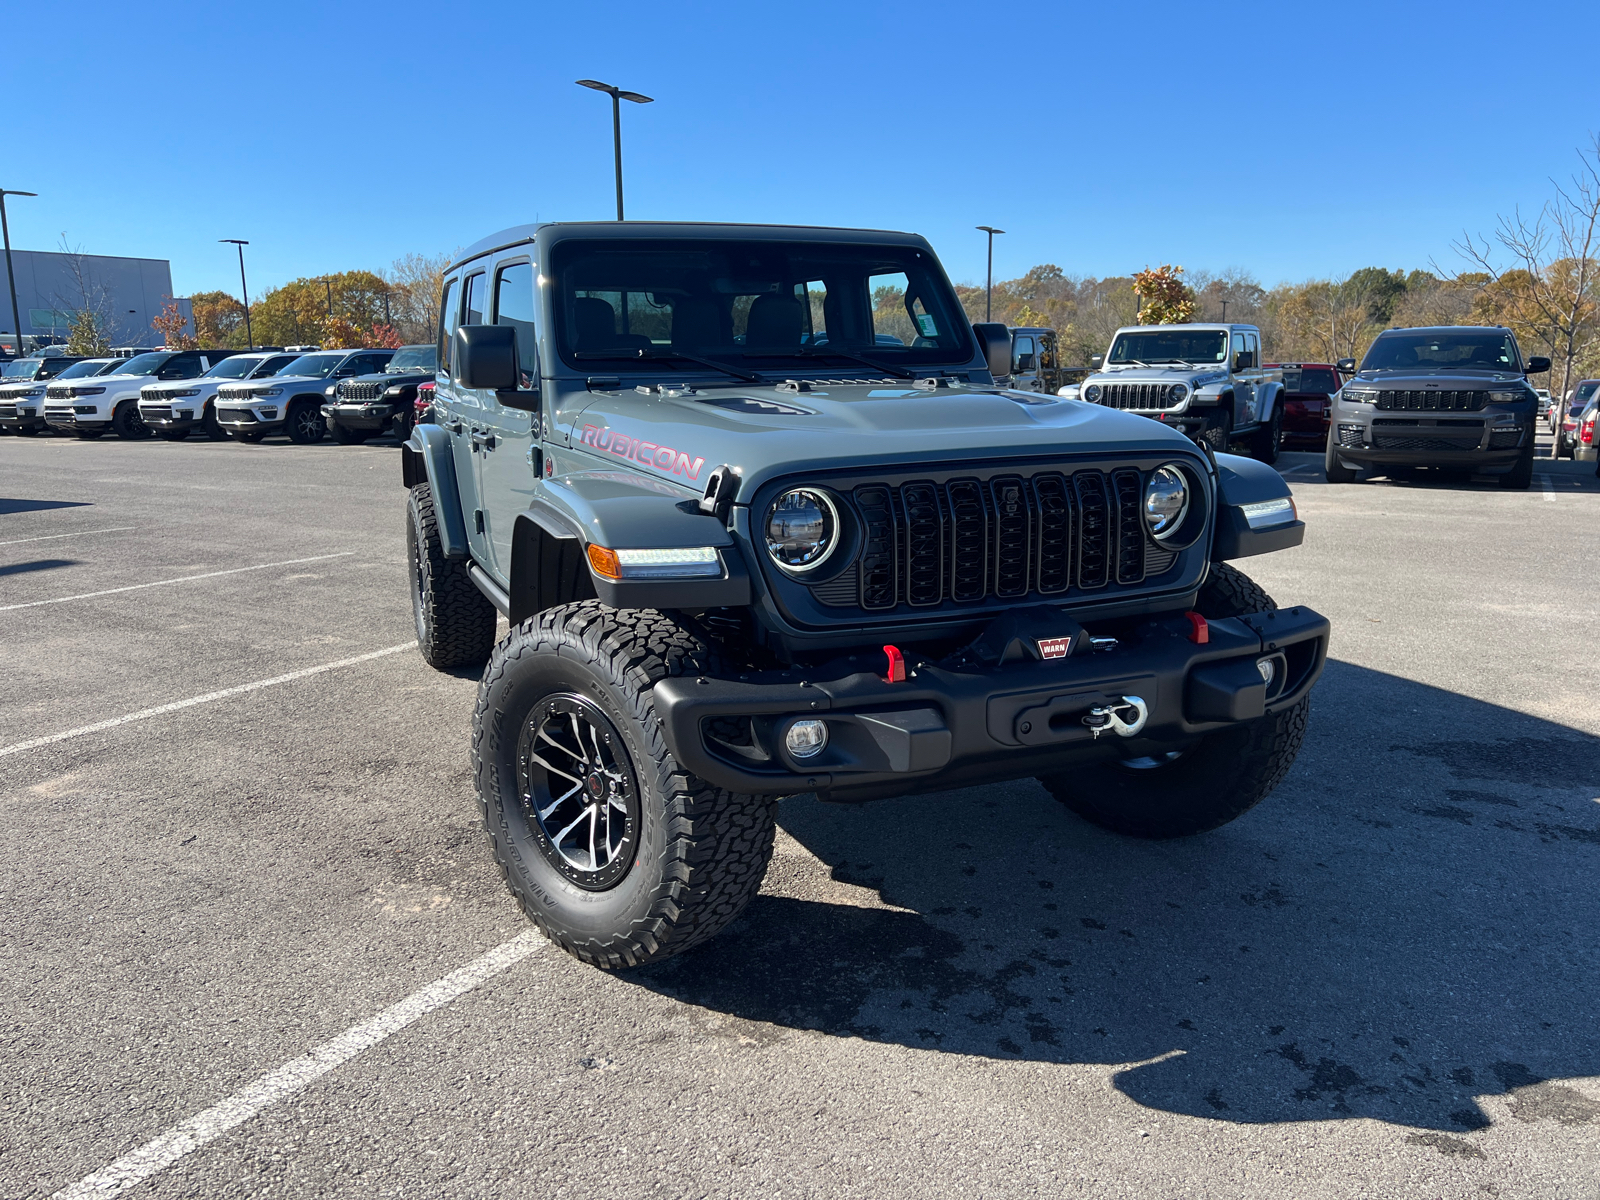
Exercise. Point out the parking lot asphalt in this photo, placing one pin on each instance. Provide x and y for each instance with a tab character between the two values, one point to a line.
1380	982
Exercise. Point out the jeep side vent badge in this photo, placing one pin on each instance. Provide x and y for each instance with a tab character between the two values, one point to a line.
721	487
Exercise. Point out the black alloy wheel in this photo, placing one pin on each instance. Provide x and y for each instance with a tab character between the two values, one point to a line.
578	791
127	422
305	425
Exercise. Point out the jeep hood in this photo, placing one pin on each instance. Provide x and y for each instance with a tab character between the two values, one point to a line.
1195	375
1450	380
764	432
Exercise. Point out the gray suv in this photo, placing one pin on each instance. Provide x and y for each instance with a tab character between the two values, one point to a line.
762	522
1453	397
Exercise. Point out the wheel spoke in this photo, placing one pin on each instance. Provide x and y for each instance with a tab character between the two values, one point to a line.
577	736
545	734
562	835
557	770
559	800
594	821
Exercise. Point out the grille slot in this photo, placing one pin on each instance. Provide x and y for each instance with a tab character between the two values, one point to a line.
1127	485
1094	531
350	389
1391	442
1432	400
878	547
1505	439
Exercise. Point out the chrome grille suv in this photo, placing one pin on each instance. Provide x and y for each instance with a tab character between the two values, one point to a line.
358	389
1135	395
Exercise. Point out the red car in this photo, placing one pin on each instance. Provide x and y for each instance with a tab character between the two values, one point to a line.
1308	390
422	406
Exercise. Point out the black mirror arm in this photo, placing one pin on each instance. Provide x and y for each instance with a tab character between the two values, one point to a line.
524	399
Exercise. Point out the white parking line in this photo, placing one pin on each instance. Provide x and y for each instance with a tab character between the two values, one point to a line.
134	587
1549	487
81	533
145	713
294	1076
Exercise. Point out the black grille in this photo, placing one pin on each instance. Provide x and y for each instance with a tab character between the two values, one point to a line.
59	414
151	413
1134	395
7	412
1432	400
1390	442
235	416
966	540
353	389
1350	435
1504	439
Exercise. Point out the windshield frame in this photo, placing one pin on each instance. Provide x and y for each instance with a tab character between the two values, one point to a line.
1159	331
781	257
1392	337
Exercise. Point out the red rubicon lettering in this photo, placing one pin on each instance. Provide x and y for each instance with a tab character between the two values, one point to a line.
662	458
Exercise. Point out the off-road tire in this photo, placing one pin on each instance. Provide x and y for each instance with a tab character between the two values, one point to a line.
455	621
1332	468
401	424
127	424
302	430
1520	477
1218	430
1268	437
701	852
346	436
1219	778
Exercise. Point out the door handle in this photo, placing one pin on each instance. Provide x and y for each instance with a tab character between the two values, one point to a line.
454	427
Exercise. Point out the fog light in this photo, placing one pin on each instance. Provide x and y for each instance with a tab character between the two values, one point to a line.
1267	669
806	738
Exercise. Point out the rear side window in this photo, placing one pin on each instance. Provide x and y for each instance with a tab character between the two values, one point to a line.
477	300
449	317
513	305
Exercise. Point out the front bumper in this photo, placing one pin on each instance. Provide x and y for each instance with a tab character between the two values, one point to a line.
948	726
361	415
166	416
20	417
1480	441
236	420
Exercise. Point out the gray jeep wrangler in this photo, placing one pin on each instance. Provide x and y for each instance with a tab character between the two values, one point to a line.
763	524
1206	380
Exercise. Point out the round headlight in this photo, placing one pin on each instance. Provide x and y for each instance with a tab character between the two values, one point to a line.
802	529
1092	393
1176	393
1166	500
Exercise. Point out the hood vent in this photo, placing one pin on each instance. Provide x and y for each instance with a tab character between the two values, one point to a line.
764	408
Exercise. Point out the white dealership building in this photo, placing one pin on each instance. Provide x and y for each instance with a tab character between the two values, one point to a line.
51	286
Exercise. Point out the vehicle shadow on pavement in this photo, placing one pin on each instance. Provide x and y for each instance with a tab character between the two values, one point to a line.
9	506
1405	925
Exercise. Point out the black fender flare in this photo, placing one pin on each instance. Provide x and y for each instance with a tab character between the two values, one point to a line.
1243	481
427	457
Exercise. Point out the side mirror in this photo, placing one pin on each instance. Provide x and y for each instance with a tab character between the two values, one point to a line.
1245	360
1537	365
1346	366
1097	361
1024	362
995	339
486	359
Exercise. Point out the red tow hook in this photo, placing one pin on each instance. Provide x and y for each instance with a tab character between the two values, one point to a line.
897	665
1199	631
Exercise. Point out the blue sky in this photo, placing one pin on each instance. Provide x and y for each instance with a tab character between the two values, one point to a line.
1290	140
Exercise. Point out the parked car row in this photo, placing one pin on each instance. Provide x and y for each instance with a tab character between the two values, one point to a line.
303	393
1566	417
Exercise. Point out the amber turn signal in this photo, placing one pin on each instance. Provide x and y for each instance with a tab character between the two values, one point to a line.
604	563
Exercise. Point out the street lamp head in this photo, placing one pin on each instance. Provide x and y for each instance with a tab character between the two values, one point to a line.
234	241
990	229
597	85
637	98
9	192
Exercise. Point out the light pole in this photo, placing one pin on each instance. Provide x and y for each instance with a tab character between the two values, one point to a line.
248	335
988	276
329	286
1224	312
11	276
617	95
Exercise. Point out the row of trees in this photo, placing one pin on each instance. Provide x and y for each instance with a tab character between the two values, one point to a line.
1538	275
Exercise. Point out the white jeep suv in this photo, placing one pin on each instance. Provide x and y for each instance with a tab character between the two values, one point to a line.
90	407
174	410
291	401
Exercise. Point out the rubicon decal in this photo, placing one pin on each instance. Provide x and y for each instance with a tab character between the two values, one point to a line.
662	458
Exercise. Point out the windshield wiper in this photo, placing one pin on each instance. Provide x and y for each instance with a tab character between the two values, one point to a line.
897	372
653	354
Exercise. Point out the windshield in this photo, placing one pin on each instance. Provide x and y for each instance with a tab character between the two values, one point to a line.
1310	379
79	369
273	365
1463	350
237	367
142	364
1584	391
414	358
22	368
1170	345
755	306
317	366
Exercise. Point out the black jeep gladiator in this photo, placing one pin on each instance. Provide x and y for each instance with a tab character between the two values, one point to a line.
364	406
762	523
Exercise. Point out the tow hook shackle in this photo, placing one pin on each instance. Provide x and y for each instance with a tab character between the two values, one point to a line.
1125	719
